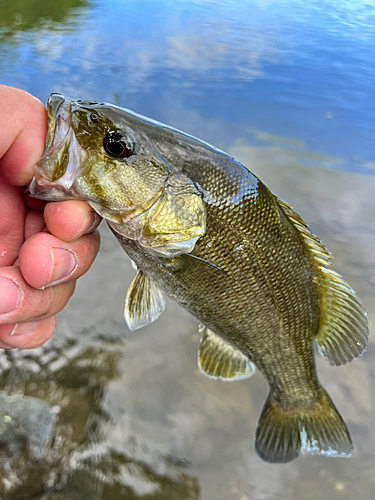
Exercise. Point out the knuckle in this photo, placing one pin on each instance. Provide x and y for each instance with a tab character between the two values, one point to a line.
55	298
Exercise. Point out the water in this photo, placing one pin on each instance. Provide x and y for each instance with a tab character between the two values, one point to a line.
286	88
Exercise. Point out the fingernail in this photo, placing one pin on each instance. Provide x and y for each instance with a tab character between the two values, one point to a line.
10	295
92	219
23	328
63	264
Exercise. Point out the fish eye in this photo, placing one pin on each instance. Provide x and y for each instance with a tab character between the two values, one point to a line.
117	146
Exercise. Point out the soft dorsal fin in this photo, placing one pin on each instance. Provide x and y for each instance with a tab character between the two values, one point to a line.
144	302
319	251
343	330
217	359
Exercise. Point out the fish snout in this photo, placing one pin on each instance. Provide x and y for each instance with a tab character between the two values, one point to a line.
63	156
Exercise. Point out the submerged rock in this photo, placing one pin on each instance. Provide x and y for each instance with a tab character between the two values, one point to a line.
25	422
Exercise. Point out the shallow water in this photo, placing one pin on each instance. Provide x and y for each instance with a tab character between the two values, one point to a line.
286	88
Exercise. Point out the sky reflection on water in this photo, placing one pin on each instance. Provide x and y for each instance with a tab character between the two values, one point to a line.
298	70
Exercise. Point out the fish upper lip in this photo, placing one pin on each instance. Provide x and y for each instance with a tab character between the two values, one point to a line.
62	127
54	161
54	102
59	122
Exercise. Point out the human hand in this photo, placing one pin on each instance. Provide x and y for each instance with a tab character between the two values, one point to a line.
41	253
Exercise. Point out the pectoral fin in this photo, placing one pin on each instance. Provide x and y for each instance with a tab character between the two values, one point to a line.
144	302
217	359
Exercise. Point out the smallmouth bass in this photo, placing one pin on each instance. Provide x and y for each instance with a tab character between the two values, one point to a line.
203	229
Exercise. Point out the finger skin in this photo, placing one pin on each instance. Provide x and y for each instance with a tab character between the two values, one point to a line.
35	304
69	220
36	338
25	244
23	129
34	223
12	215
33	203
36	259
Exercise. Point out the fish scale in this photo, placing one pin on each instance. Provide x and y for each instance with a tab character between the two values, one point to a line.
203	229
245	296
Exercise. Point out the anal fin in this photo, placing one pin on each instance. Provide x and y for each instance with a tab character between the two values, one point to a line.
144	302
218	359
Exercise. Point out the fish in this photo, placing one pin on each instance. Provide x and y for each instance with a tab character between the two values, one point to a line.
200	228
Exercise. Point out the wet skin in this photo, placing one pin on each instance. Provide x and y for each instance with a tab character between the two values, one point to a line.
40	243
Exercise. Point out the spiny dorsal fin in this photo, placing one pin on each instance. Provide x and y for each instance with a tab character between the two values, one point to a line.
343	330
144	302
217	359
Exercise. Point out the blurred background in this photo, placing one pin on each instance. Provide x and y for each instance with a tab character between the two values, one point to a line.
286	87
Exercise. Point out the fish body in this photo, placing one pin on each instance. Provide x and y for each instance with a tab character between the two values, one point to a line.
203	229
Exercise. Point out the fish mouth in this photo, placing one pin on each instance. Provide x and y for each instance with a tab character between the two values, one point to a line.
62	156
57	126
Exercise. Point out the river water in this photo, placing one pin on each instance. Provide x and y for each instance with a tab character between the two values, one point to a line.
287	87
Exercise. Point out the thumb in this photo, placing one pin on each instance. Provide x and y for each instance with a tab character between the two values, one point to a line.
23	129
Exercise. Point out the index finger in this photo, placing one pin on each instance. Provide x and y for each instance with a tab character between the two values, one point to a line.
23	128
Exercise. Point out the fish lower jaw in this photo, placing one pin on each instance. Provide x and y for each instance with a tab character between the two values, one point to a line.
43	189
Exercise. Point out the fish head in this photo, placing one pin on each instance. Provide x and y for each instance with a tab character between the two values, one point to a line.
96	152
108	157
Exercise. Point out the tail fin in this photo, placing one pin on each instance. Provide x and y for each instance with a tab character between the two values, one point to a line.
282	435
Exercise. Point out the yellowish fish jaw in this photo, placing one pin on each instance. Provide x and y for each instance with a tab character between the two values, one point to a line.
63	157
